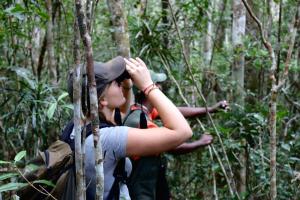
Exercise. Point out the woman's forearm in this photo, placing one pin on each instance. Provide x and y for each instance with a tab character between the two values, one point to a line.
169	114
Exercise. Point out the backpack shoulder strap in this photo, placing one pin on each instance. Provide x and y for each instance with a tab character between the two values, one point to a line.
120	176
136	121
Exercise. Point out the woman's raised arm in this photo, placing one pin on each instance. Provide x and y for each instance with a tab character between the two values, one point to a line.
176	130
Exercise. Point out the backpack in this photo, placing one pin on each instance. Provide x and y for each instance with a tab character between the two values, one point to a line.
148	178
56	164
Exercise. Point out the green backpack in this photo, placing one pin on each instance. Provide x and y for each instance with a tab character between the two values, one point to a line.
147	179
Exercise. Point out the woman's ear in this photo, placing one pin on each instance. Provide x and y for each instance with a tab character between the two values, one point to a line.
102	102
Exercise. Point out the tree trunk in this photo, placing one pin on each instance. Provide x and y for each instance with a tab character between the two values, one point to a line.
187	38
79	158
220	5
88	9
238	33
165	21
119	21
207	55
50	47
238	68
143	7
93	99
208	38
41	58
35	42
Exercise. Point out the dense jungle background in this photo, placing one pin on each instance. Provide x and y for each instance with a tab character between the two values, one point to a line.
210	50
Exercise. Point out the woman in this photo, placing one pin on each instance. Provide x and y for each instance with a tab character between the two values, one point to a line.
120	141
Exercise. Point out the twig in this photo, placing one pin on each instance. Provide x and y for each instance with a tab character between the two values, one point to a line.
287	125
215	194
223	169
44	193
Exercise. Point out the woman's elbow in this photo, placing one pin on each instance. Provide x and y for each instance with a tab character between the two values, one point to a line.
187	133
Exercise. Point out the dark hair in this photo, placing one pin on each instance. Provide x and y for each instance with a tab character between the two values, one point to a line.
139	97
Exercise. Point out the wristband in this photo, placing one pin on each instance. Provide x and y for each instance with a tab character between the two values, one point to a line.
148	87
150	90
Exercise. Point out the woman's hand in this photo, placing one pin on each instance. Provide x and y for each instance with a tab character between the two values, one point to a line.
138	72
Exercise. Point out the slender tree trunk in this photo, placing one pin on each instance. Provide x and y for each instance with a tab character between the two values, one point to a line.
238	70
187	38
79	158
207	55
93	99
41	58
208	38
165	21
278	45
50	46
297	57
276	85
35	42
221	5
227	38
88	9
143	7
119	21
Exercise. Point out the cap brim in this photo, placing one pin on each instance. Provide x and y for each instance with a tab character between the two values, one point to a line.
110	70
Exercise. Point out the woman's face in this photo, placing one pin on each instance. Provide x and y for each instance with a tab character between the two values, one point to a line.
114	95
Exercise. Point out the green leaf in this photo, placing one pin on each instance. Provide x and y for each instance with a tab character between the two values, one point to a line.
286	147
259	117
49	183
51	110
69	106
20	155
6	176
24	73
42	14
4	162
12	186
31	167
16	11
63	95
295	159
